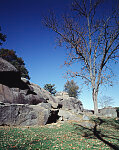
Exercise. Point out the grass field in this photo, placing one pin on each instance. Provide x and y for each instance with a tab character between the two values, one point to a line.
104	134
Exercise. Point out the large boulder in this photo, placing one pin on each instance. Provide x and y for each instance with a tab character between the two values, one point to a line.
68	115
108	112
24	114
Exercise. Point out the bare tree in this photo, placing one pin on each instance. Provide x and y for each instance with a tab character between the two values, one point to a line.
93	41
105	101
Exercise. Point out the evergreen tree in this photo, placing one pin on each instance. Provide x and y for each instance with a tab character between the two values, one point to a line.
50	88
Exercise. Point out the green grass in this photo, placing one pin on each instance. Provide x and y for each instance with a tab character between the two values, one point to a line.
69	135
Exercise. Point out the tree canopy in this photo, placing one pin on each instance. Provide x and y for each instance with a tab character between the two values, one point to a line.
2	37
17	62
71	88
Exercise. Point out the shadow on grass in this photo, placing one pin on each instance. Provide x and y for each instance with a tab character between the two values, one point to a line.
111	122
96	133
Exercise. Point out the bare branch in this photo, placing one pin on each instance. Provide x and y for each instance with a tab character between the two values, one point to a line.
112	52
77	7
76	74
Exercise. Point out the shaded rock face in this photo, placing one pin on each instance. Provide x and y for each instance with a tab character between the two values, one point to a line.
9	76
90	112
12	88
54	116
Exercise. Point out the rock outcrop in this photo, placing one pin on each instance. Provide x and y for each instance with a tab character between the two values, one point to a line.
25	103
69	107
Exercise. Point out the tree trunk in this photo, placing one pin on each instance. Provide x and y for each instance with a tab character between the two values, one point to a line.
95	94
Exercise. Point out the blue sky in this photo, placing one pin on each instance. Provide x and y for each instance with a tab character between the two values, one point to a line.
21	22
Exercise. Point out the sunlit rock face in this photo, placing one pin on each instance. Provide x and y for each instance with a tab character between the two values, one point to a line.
69	103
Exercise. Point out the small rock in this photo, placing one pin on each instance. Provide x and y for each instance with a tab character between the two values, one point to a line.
85	118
